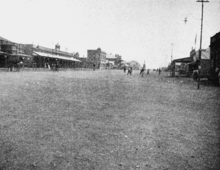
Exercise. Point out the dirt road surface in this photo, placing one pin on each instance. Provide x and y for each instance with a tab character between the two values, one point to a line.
107	120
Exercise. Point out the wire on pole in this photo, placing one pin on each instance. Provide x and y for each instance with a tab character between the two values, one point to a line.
202	1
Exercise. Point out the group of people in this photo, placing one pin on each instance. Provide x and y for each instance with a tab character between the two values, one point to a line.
142	70
148	71
55	66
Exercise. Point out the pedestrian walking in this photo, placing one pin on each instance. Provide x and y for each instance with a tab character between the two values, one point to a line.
94	67
142	70
53	66
48	66
57	66
129	71
124	69
159	71
148	72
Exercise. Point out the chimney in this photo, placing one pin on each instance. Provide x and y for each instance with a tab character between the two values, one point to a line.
57	47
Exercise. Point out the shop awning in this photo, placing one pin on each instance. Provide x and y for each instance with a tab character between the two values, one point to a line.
22	55
192	63
56	56
183	60
73	59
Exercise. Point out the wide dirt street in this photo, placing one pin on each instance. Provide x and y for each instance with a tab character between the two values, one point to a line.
106	120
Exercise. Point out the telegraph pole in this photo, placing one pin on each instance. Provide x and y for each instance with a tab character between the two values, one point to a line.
171	52
171	66
200	49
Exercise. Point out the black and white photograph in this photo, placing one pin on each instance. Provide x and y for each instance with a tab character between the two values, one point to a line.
110	85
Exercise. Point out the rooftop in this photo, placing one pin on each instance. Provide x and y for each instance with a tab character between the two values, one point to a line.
110	56
1	38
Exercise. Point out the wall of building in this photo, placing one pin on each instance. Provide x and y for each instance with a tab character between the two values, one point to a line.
97	57
41	61
215	51
215	56
92	56
11	47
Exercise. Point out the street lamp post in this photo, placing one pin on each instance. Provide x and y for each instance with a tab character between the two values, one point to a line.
200	49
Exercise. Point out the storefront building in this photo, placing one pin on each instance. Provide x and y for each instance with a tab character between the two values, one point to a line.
44	57
11	49
97	57
37	56
215	57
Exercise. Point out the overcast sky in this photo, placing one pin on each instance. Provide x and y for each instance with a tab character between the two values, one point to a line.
141	30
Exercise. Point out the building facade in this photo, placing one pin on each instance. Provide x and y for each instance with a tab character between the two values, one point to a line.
215	57
97	57
9	48
37	56
110	60
44	57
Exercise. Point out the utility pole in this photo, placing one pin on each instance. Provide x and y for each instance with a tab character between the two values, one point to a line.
171	65
200	49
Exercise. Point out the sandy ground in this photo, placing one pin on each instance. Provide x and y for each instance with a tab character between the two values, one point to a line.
106	120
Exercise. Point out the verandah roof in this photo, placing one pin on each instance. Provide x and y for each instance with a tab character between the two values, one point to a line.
183	60
56	56
20	54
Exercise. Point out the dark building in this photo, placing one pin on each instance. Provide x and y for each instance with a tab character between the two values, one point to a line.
9	48
97	57
215	57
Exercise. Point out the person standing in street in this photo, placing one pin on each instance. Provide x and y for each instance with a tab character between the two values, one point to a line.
94	67
129	71
57	66
124	69
142	70
159	71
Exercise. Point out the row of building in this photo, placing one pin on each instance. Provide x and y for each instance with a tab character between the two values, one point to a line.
209	61
101	59
42	57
